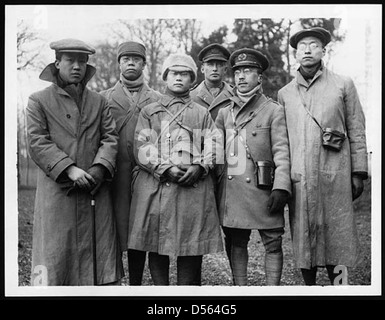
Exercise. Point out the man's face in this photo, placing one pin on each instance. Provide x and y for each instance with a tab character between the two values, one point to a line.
309	51
72	67
131	66
178	81
214	70
246	78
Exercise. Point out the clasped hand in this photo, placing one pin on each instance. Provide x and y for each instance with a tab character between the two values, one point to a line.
90	180
184	175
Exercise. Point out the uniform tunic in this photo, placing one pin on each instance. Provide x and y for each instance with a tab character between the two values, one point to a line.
241	203
321	213
167	218
58	136
126	116
202	95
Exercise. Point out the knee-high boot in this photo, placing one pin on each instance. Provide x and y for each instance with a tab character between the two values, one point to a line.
273	268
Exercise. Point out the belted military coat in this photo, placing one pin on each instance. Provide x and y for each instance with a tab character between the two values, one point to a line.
165	217
59	136
254	131
126	116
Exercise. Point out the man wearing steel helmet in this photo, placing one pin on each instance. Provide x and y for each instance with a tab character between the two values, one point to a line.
129	95
72	137
254	183
327	176
173	211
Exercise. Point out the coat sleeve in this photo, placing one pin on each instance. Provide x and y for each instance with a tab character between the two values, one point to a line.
212	152
355	126
43	151
220	159
280	150
109	138
146	148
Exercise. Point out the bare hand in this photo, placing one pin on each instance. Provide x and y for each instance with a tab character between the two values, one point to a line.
192	175
82	179
173	174
357	186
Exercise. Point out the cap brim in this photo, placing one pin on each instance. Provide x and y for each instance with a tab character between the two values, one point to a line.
179	68
75	51
217	58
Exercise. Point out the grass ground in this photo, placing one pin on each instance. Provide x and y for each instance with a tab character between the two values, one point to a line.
215	268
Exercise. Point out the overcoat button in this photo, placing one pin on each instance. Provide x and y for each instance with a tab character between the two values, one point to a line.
167	184
248	180
168	135
248	156
231	154
68	116
254	133
230	177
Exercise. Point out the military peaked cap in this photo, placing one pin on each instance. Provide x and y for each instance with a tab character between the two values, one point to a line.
214	51
248	57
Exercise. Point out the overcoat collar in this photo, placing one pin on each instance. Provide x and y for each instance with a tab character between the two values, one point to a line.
50	73
301	81
167	100
120	97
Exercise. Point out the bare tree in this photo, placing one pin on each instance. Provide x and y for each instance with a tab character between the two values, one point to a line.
28	45
187	33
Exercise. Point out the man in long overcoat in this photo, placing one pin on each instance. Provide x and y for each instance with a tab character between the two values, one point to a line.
213	92
72	138
126	99
325	181
173	206
254	184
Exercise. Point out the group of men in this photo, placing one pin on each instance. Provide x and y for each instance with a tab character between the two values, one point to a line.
153	193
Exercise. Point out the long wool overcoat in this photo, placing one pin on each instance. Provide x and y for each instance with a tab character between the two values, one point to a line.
242	204
58	136
321	214
126	116
165	217
202	95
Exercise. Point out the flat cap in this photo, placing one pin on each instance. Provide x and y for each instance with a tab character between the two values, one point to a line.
317	32
71	45
214	51
131	48
248	57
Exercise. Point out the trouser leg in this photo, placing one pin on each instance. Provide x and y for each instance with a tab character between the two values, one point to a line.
159	266
228	244
188	268
309	276
136	261
272	241
239	254
239	258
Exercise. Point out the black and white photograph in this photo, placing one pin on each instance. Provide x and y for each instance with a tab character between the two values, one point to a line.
193	150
